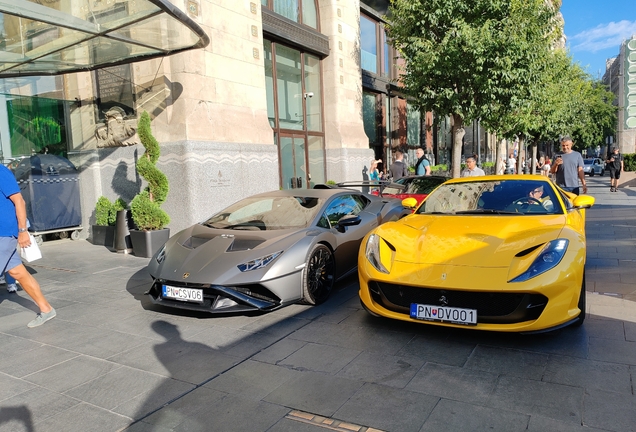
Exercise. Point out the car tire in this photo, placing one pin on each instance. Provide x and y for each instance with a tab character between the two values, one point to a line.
582	305
602	173
592	173
319	275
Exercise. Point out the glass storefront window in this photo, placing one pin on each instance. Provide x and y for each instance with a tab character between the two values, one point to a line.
413	125
269	81
289	86
313	94
316	160
368	45
369	116
34	125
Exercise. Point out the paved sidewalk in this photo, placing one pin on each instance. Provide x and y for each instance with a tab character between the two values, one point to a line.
111	360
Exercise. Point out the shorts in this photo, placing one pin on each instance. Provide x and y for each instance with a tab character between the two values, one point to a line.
545	168
615	174
9	257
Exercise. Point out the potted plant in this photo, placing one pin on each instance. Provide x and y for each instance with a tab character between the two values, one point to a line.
147	214
103	232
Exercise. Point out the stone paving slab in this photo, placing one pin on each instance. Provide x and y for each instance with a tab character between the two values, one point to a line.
111	360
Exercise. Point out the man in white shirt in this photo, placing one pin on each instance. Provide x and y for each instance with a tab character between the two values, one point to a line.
472	170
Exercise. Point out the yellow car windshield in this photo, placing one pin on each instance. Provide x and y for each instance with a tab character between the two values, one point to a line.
518	197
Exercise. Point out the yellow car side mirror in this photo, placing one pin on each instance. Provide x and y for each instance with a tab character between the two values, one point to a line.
409	203
583	201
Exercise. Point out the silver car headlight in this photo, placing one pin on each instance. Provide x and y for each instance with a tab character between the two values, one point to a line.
258	263
372	252
549	258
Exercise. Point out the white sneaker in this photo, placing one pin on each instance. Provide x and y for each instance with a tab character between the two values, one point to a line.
12	288
2	281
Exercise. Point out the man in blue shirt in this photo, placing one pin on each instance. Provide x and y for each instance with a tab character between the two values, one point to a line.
13	231
422	166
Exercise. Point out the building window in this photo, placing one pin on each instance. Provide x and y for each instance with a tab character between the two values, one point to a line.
368	44
300	11
376	54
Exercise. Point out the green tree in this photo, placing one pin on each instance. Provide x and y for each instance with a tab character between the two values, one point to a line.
468	59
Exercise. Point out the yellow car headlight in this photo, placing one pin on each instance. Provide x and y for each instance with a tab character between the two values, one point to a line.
549	258
375	250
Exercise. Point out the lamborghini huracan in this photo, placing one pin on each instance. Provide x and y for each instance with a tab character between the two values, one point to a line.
268	250
503	253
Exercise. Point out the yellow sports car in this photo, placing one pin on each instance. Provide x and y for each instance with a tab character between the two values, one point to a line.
503	253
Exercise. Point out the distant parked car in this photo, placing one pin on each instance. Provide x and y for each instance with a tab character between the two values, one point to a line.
593	166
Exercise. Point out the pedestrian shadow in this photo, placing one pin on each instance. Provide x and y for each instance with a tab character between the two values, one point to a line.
17	298
174	353
18	414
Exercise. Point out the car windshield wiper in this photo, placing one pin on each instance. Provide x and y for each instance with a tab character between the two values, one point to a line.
488	211
239	226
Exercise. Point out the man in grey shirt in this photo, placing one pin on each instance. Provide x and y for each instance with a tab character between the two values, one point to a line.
568	168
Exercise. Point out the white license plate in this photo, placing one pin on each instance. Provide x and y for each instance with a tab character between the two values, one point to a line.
182	294
444	314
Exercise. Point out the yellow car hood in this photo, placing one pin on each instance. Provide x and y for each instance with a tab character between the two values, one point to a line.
476	241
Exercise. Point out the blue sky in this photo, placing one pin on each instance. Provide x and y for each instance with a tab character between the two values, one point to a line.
595	30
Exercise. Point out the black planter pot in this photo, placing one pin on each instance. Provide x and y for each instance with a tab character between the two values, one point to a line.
146	243
103	235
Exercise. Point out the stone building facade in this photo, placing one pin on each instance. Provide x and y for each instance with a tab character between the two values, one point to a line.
620	77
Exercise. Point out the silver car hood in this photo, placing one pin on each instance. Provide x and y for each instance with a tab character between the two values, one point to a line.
209	255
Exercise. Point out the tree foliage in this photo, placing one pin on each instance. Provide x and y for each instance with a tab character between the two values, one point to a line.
468	59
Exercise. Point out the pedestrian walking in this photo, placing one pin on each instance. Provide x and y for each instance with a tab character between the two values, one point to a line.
13	232
568	168
398	167
615	166
472	170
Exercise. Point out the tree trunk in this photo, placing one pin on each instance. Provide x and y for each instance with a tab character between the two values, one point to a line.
458	135
534	157
525	156
499	156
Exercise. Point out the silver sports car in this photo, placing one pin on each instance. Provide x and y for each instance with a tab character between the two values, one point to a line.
268	250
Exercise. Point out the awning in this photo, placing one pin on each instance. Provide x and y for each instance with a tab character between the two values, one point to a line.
51	37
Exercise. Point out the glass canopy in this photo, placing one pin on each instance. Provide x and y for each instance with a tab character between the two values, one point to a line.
50	37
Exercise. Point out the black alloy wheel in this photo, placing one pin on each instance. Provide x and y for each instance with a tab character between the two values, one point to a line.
319	275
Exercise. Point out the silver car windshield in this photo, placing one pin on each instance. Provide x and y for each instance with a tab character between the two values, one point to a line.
502	197
267	213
